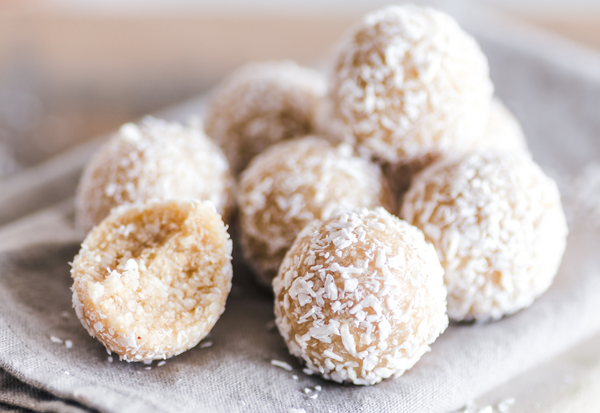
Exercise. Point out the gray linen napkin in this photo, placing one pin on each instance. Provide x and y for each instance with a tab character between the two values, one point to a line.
557	101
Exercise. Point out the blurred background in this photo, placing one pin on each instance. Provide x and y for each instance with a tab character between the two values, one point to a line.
73	69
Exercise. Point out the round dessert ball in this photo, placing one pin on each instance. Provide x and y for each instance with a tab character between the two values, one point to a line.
294	182
410	82
498	226
503	131
360	297
261	104
153	160
151	280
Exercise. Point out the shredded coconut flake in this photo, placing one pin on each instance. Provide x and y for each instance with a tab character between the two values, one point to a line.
282	364
500	230
408	82
293	183
261	104
353	333
166	160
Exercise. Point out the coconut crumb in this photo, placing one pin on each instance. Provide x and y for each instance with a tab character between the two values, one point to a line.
56	340
502	407
68	344
282	364
161	363
505	405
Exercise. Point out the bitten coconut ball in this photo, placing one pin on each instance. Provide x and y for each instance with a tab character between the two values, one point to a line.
498	226
151	280
153	160
360	297
294	182
503	131
410	82
261	104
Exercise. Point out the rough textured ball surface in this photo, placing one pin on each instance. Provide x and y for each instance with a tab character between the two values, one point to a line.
503	131
294	182
261	104
153	160
360	297
498	226
151	280
408	82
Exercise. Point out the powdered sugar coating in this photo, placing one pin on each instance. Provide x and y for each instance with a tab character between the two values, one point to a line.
410	82
151	280
503	130
294	182
498	226
261	104
360	297
153	160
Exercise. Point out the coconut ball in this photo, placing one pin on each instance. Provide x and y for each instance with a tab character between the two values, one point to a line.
153	160
151	280
261	104
410	82
294	182
503	131
360	297
498	226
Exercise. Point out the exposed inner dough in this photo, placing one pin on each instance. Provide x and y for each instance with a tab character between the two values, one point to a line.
360	297
151	280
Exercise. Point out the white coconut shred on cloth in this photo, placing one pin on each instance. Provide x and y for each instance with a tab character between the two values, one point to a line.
557	104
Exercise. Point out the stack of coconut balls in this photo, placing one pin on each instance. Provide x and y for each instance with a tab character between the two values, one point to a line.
407	125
